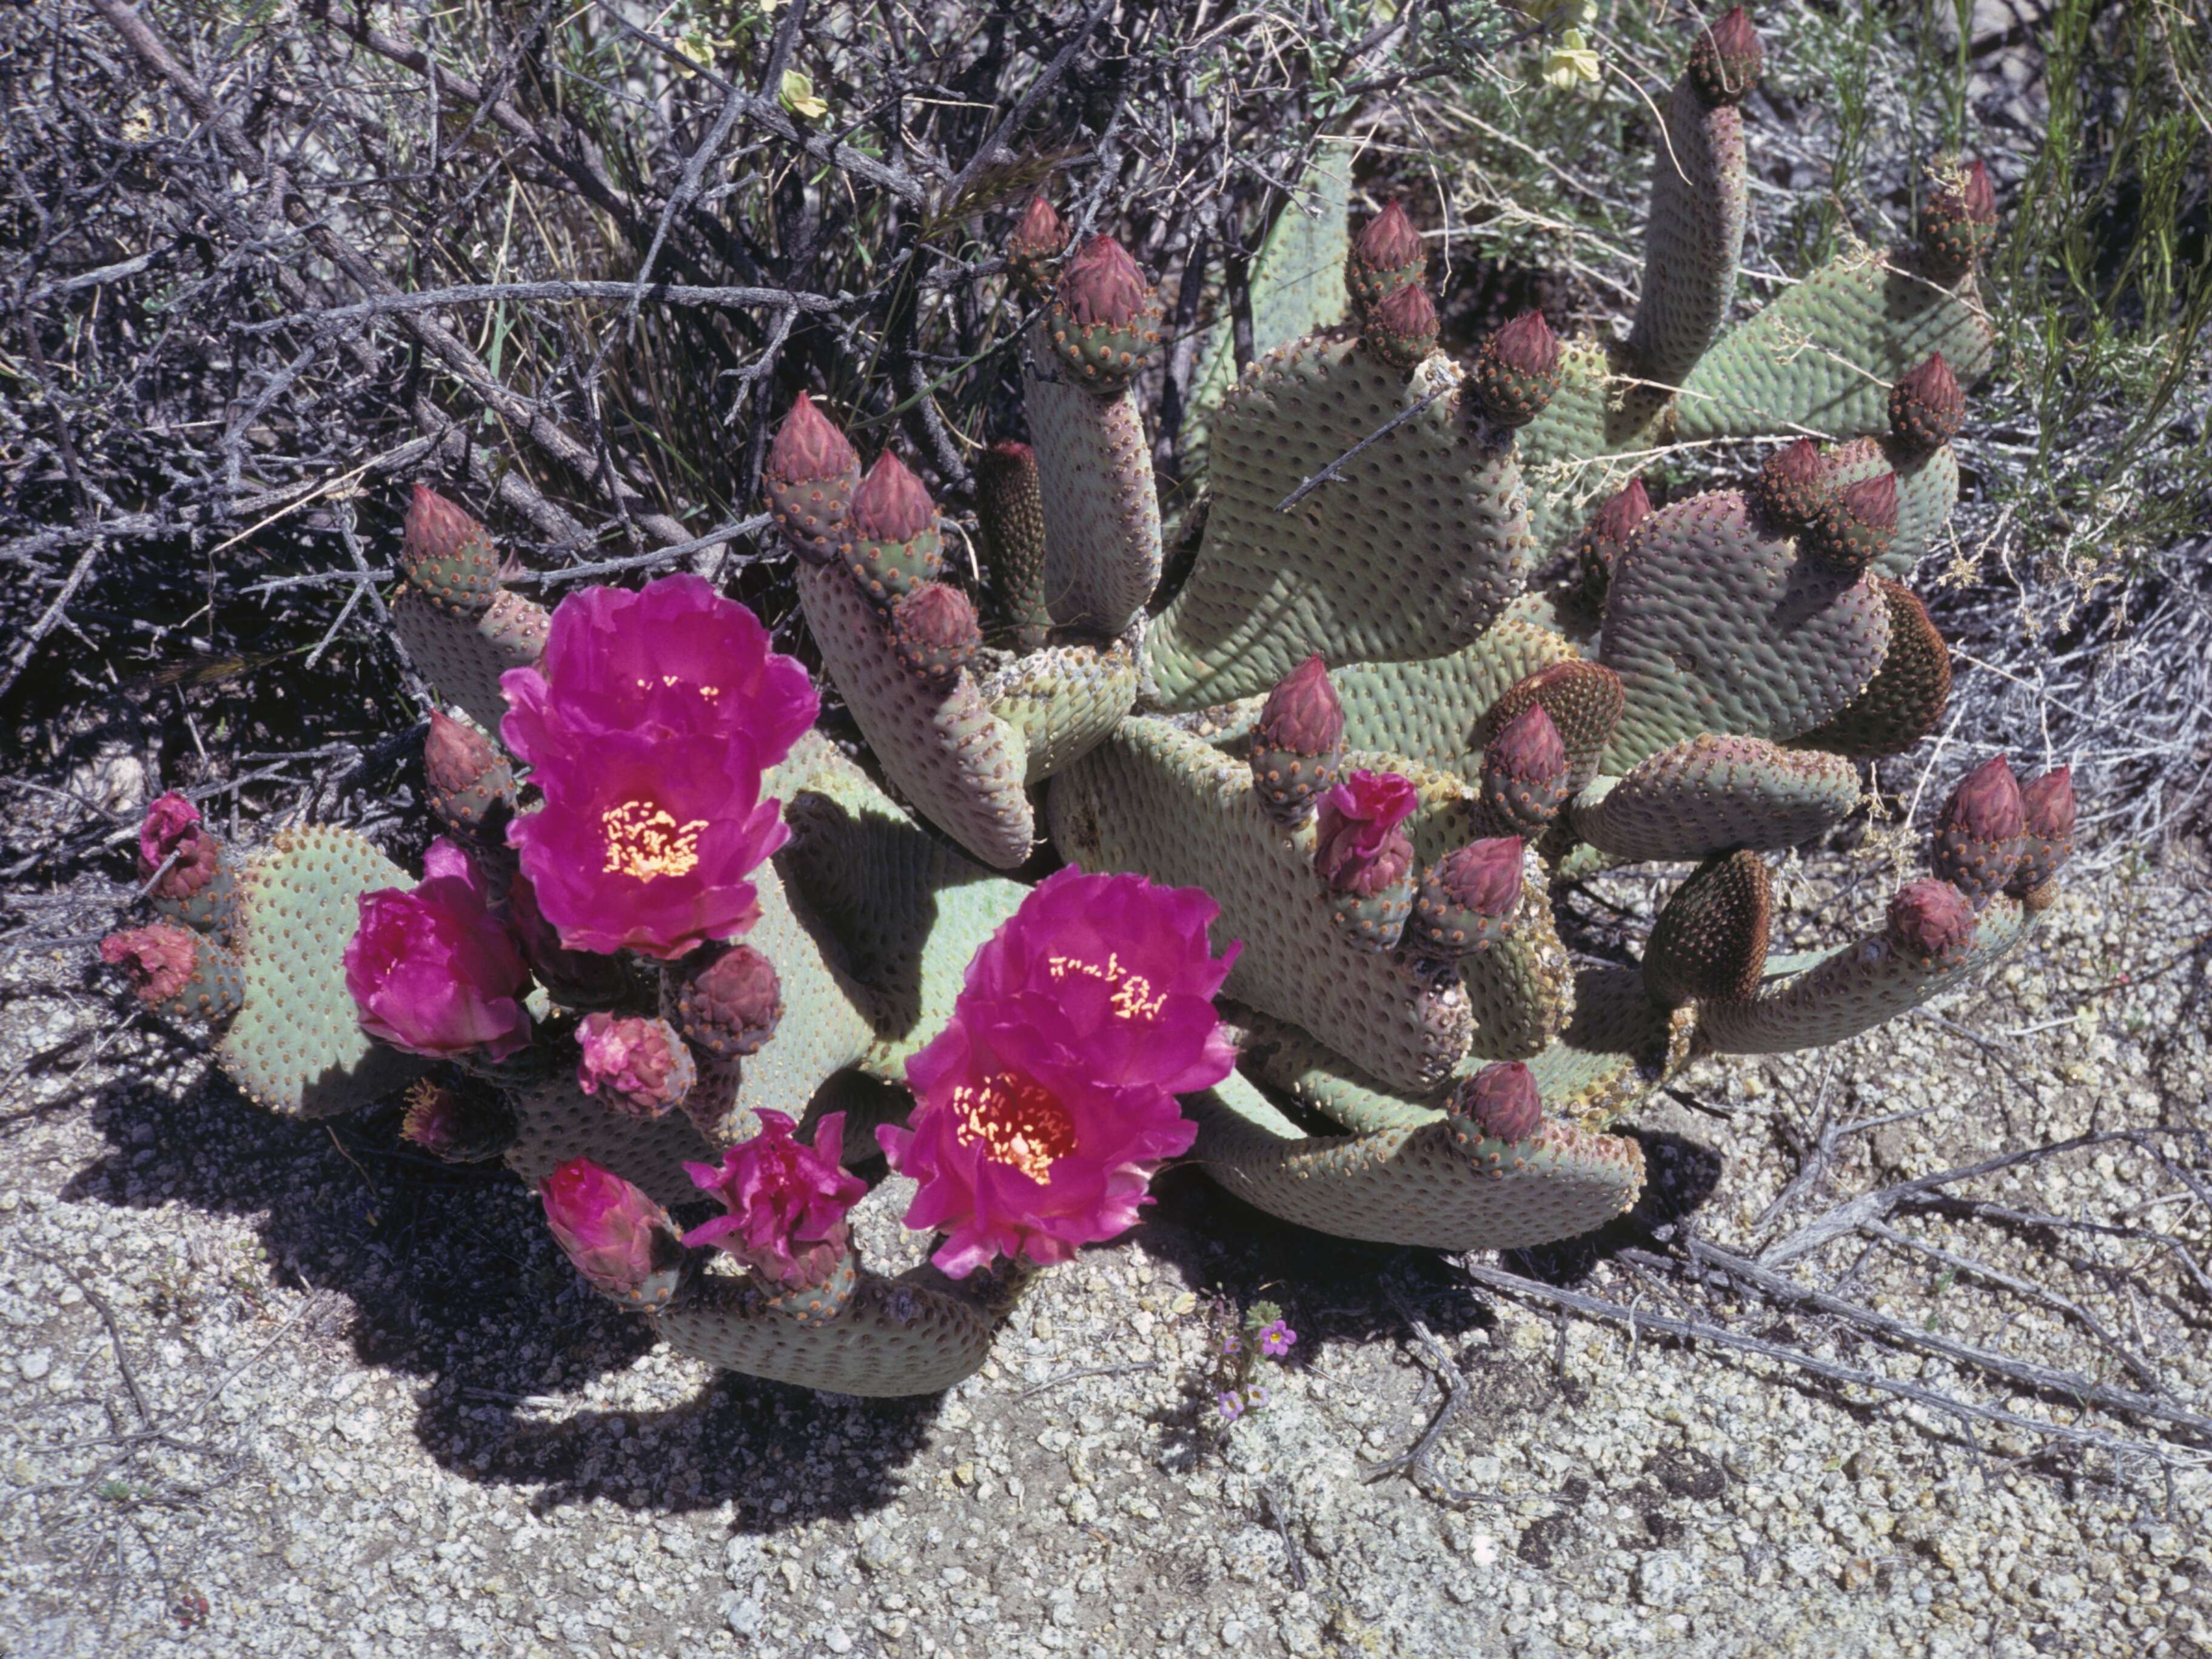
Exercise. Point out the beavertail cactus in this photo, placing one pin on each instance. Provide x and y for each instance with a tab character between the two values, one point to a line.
1432	652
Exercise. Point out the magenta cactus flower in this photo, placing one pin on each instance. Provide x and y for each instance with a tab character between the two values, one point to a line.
649	730
618	1238
432	970
1048	1102
1357	845
641	1063
787	1200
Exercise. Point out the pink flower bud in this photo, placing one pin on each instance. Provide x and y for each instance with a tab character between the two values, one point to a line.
1726	60
1527	346
172	824
787	1200
1793	483
1303	713
934	631
1388	240
1484	876
618	1238
1987	804
1041	233
641	1063
1357	845
1618	518
1102	285
438	532
891	505
1529	749
808	447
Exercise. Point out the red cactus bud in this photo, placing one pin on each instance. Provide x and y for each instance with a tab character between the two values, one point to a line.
436	529
1041	233
1529	748
2047	804
1987	805
640	1063
1409	313
1527	346
1958	220
1726	60
1793	483
159	959
1618	518
1502	1101
808	447
891	505
1930	921
455	757
1797	464
1102	285
1484	876
1303	713
1977	201
732	1005
618	1238
1873	502
173	826
1926	407
1389	240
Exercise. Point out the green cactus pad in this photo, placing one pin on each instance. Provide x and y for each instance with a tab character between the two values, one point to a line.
1293	1062
1927	491
1101	510
826	1027
1716	625
960	765
1416	1186
1852	990
1009	518
1693	238
1158	800
1714	793
1062	700
1906	697
1430	709
1521	990
1618	1048
463	659
906	911
555	1120
1571	453
296	1046
909	1335
1820	357
1296	289
1433	516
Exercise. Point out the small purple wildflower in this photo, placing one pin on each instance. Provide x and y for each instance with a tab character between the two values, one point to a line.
1232	1343
1277	1340
1254	1397
1232	1405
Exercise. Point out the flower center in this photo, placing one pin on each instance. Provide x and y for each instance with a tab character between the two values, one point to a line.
644	841
1133	997
1015	1120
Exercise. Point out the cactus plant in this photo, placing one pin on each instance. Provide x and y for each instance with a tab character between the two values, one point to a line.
1437	652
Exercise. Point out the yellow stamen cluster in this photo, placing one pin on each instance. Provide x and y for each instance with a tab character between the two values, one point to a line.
1133	997
1015	1120
644	841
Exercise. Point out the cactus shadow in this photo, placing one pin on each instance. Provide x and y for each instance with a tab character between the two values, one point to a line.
445	1275
1680	1175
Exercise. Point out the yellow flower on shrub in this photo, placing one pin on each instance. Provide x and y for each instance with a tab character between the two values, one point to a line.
1571	64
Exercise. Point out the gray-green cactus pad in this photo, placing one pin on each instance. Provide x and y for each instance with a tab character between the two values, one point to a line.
1520	990
1692	236
1618	1046
1572	454
1062	700
1417	1186
1852	990
1927	491
1157	799
909	1335
1820	357
1713	793
1713	624
295	1045
1429	709
555	1120
960	765
1433	516
1102	509
463	660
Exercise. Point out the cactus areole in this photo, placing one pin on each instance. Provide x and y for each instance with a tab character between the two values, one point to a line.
1305	813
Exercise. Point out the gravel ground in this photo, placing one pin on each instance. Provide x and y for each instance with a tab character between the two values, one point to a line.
272	1389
